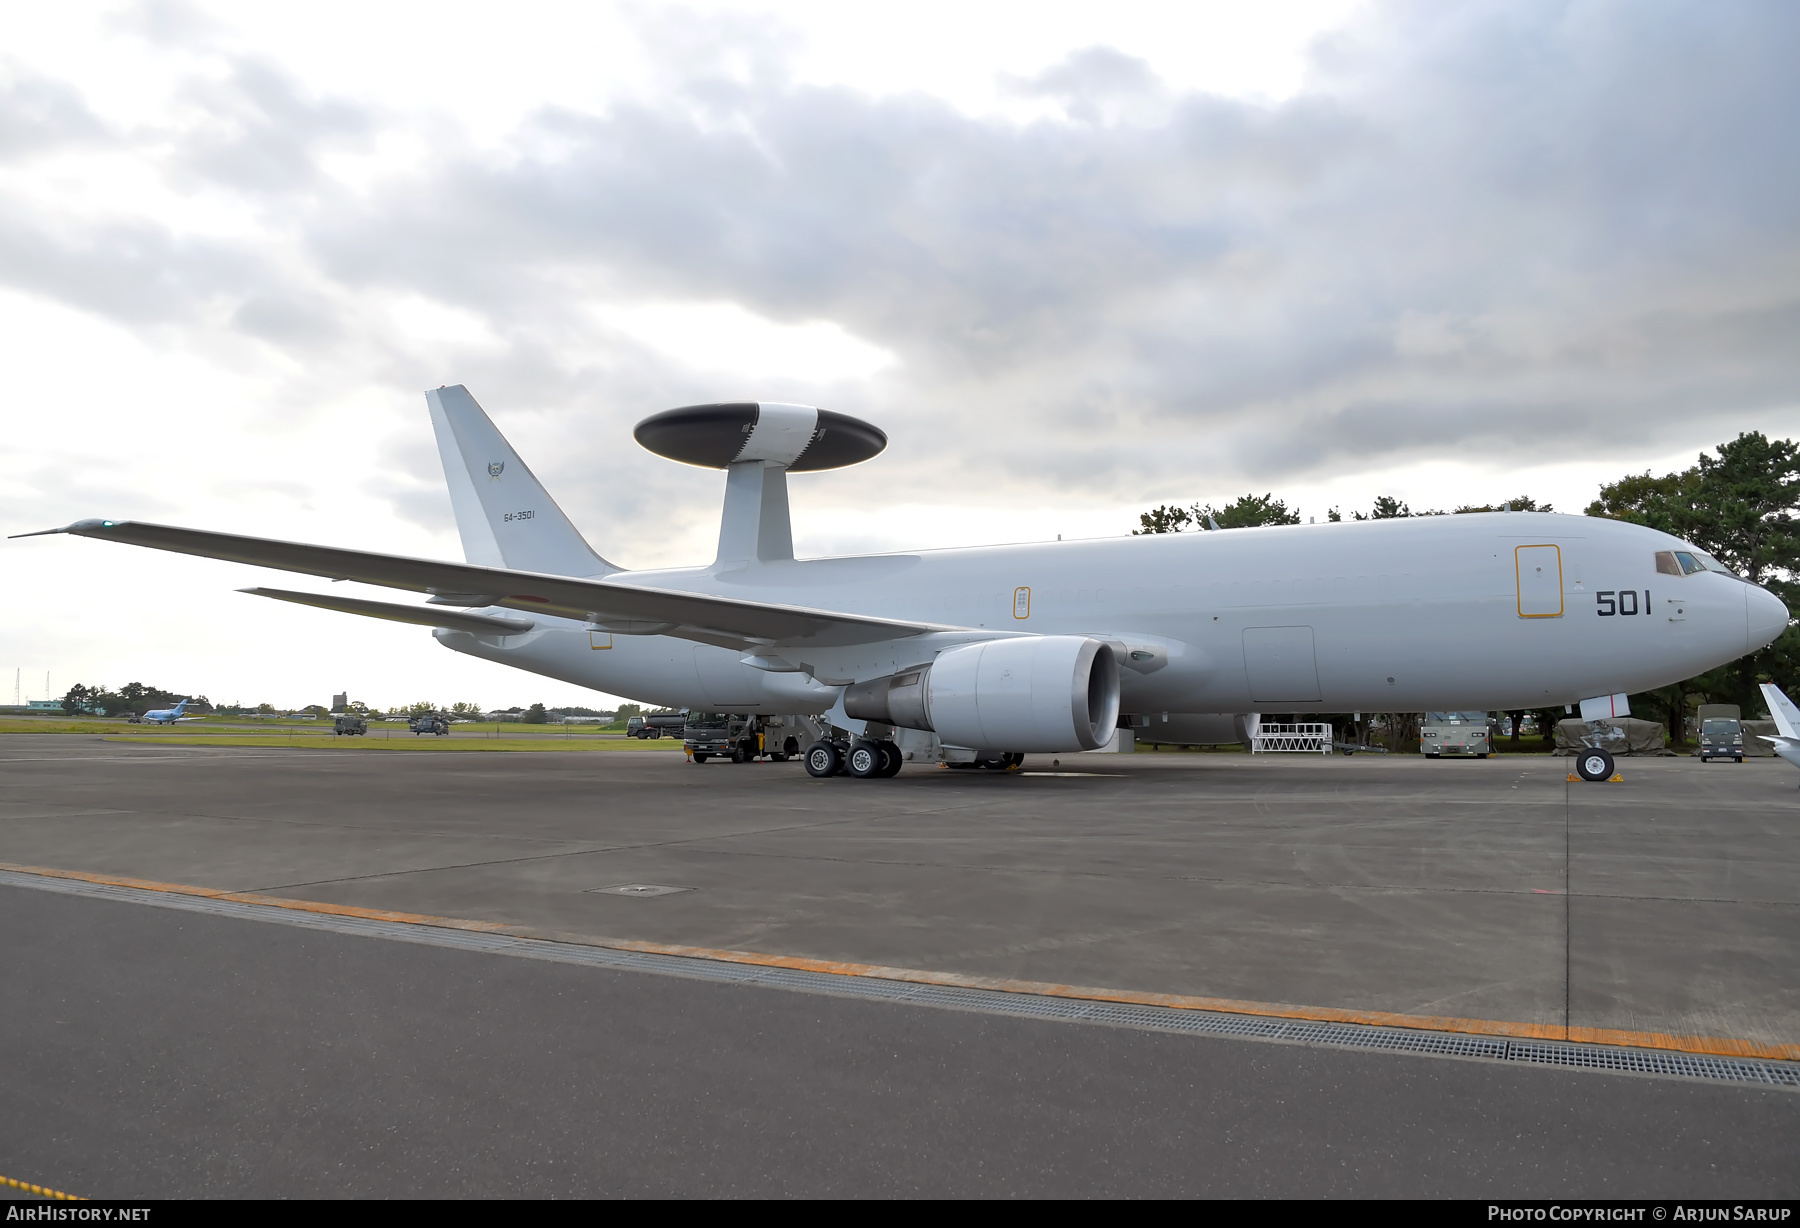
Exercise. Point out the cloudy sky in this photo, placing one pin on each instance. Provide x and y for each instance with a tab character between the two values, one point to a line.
1076	260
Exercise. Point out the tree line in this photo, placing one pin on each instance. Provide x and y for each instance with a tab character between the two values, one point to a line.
133	697
1740	503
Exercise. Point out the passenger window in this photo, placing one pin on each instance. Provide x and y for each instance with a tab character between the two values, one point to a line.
1689	564
1666	564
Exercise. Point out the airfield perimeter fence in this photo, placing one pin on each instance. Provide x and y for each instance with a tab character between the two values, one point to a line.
1296	739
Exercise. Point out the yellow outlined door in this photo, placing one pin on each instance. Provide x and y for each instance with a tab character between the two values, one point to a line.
599	639
1539	572
1021	603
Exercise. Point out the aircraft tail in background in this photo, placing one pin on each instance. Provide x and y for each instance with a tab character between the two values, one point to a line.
1782	709
504	514
1787	724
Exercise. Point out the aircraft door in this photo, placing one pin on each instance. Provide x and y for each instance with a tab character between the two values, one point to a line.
1539	572
1281	664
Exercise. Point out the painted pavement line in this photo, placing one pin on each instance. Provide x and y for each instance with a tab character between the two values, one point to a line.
1712	1058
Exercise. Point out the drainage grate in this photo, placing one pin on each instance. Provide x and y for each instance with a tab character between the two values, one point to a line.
1659	1062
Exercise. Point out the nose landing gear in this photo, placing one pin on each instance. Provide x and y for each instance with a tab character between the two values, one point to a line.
1594	765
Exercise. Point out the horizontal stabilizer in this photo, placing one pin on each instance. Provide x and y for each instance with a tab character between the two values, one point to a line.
455	620
702	617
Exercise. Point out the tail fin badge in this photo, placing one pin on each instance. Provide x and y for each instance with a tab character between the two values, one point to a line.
494	468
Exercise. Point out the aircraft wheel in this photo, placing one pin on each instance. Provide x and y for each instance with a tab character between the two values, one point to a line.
1594	765
1481	756
822	759
865	761
891	760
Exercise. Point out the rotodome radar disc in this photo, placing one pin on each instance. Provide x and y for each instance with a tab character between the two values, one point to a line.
799	438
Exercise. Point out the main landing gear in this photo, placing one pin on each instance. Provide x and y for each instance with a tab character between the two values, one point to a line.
863	760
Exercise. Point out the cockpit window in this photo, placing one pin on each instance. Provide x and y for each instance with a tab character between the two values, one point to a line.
1688	562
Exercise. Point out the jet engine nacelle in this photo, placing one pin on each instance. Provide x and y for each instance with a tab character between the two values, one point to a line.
1029	693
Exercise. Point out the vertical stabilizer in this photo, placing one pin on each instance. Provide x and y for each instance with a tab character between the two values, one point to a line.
504	514
1782	710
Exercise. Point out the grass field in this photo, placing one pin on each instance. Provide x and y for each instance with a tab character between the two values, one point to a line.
30	725
324	740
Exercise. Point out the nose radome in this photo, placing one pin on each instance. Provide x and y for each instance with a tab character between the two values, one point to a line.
1765	616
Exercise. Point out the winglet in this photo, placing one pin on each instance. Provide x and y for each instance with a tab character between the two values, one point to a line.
78	527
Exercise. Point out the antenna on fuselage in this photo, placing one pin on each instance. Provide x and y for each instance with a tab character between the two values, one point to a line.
758	443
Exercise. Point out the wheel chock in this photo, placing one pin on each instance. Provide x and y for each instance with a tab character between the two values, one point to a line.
1573	778
1615	779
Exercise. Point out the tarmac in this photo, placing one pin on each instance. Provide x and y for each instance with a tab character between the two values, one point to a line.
181	1053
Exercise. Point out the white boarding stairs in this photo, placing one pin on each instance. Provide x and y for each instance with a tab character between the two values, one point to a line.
1306	738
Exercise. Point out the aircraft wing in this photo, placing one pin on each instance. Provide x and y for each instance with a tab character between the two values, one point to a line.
628	608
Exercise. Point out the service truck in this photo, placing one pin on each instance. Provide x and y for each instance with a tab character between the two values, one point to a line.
1454	733
1721	732
656	725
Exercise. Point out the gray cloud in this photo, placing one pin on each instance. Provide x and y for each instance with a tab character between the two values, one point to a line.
1487	231
263	134
37	114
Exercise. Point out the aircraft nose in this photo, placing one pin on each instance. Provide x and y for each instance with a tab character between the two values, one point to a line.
1765	616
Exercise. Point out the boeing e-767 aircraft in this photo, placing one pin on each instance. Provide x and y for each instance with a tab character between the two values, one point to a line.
983	653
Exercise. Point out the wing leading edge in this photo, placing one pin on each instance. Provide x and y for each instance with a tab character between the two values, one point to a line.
626	608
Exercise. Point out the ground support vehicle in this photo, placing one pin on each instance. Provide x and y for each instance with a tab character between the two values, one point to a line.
727	735
744	737
431	722
349	724
1454	733
1721	738
657	725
